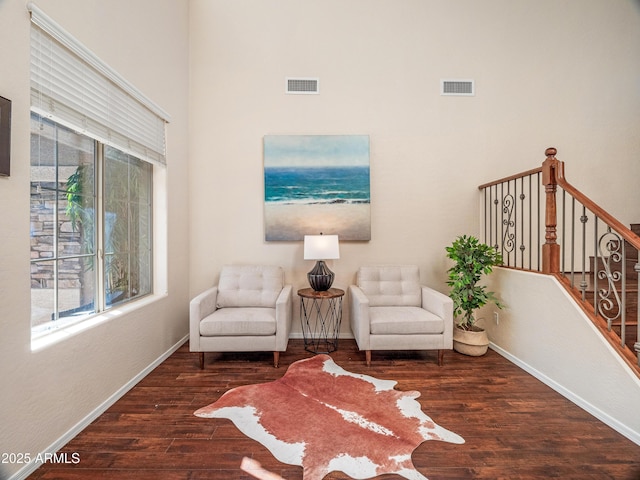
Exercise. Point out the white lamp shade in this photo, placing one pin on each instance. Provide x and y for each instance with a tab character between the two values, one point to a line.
321	247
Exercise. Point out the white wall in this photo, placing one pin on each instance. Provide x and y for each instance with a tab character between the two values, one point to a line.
45	394
547	73
545	332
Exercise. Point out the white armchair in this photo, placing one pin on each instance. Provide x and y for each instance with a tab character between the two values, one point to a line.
390	310
249	310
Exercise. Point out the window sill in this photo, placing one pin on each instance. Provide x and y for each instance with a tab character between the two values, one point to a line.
53	335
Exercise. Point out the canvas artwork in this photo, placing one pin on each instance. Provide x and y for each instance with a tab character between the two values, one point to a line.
317	184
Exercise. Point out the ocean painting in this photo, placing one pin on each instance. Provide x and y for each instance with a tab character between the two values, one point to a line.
317	184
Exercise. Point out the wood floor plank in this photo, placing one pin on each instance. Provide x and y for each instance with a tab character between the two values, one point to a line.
515	427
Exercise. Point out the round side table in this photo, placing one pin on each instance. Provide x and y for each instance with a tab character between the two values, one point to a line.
320	315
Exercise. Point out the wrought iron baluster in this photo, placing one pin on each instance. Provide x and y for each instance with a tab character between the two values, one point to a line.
508	244
610	251
583	283
595	268
484	211
513	222
495	204
530	223
623	305
490	215
502	218
539	223
522	245
573	242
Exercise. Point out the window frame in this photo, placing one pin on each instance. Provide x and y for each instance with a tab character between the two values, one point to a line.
99	253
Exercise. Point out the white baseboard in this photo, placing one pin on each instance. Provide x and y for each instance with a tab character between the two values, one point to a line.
28	469
569	395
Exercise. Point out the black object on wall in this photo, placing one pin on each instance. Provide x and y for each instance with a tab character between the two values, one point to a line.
5	137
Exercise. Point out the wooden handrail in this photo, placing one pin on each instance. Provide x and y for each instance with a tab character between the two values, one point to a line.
611	221
512	177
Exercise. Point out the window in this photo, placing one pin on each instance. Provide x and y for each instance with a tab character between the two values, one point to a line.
97	146
127	227
91	236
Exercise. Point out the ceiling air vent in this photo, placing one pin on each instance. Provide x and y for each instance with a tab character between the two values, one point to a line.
303	86
457	87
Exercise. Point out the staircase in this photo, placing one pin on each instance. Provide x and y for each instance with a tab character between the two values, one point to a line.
541	223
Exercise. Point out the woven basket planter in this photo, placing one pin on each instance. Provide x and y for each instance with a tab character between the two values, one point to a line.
470	342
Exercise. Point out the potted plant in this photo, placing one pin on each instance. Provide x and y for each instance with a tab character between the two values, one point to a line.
473	259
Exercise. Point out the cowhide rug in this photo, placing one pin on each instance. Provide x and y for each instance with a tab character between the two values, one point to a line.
325	419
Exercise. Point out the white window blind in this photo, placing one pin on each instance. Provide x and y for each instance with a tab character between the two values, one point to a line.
72	86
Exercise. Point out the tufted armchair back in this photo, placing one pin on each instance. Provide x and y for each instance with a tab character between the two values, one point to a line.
249	286
391	285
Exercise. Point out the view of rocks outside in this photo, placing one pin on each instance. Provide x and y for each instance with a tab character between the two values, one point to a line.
73	272
57	245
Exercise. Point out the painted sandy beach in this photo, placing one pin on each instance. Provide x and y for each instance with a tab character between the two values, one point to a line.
291	221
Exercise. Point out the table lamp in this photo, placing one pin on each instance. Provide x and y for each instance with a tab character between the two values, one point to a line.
321	248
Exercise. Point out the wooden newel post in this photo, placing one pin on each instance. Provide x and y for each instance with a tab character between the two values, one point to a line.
550	249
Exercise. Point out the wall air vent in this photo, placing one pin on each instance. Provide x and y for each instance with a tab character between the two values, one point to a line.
303	86
457	87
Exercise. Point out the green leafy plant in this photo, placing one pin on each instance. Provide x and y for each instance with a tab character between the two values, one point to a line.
473	259
127	194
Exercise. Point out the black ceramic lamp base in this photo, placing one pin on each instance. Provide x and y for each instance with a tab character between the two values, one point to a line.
320	277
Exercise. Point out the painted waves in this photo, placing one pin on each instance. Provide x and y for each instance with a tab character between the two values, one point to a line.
317	185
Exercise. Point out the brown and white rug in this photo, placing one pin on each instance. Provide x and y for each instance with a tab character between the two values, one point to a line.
325	419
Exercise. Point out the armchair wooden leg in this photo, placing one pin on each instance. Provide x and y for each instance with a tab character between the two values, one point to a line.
440	358
367	355
201	355
276	359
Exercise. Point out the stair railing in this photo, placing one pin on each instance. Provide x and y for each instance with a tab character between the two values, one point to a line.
593	255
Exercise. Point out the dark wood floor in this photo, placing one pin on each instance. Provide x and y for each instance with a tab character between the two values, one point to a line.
515	427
